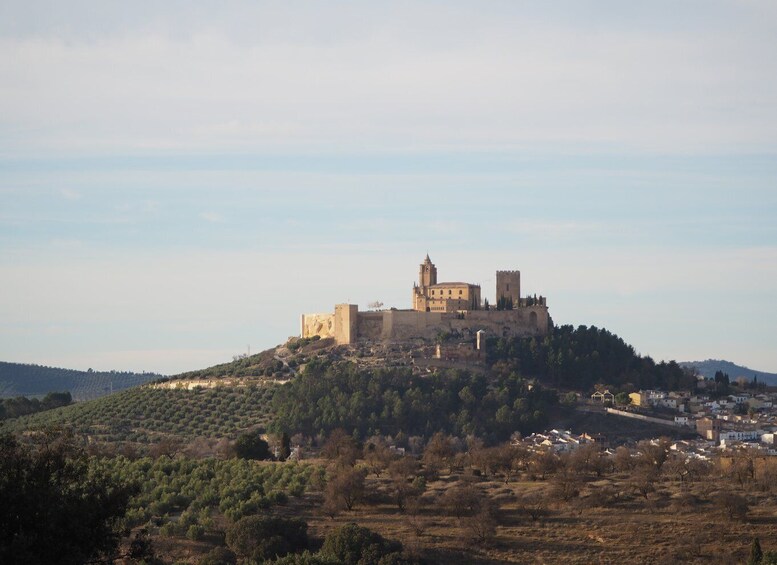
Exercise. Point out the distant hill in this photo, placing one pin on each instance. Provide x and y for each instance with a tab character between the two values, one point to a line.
710	366
17	379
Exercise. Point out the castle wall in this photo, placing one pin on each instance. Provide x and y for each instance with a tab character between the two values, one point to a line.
408	324
370	325
347	324
519	322
322	325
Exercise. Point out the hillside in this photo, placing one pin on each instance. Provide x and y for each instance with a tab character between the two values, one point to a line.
366	389
371	389
201	406
578	358
17	379
149	414
710	366
467	497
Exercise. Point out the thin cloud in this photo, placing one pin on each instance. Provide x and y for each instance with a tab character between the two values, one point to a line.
70	194
556	229
212	217
554	83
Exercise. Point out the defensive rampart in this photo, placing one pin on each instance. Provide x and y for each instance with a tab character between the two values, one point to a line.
348	325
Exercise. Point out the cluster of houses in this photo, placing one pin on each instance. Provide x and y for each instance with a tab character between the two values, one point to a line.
559	441
564	441
726	422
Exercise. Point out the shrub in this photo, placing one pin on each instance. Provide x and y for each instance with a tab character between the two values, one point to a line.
195	532
278	497
55	506
219	556
304	558
296	488
266	537
251	446
352	545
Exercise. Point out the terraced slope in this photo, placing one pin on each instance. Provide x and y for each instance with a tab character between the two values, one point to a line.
150	413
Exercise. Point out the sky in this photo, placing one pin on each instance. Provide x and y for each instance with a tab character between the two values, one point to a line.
179	181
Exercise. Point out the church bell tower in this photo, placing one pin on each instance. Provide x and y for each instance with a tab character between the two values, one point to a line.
427	275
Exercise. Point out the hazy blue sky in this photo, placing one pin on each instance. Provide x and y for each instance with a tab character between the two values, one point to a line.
180	182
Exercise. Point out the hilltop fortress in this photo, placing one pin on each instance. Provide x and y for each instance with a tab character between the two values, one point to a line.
438	307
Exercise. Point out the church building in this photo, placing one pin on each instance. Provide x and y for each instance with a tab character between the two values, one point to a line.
431	296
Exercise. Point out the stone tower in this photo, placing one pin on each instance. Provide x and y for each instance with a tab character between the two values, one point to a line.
508	284
427	275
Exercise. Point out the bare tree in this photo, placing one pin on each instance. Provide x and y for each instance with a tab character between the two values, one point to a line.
588	459
345	488
623	460
543	463
404	488
504	460
642	480
414	517
168	446
732	505
341	446
565	485
332	505
677	466
767	477
462	499
742	467
698	468
224	448
439	452
377	455
481	528
653	453
601	497
535	506
404	467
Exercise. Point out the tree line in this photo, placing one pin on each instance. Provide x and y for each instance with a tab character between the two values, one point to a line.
22	406
578	358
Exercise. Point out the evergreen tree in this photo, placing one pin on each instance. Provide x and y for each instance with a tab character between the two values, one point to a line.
250	445
756	555
54	508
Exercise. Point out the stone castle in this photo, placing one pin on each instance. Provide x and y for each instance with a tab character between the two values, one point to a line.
453	307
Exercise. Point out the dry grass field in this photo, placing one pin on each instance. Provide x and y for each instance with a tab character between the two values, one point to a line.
604	521
662	529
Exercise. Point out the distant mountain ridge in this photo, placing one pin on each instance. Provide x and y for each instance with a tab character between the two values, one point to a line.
18	379
710	366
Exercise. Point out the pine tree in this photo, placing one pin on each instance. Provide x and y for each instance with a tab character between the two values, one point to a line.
756	555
